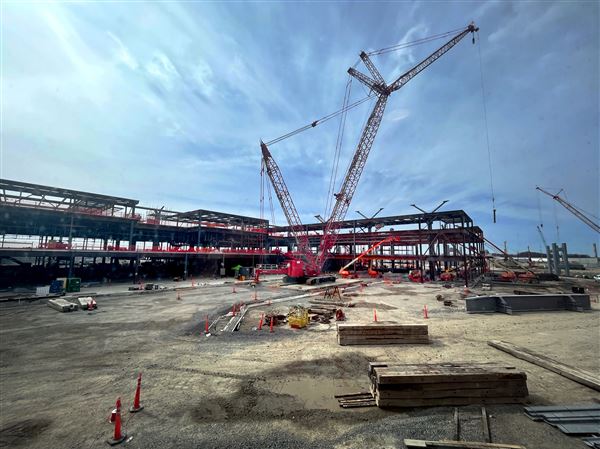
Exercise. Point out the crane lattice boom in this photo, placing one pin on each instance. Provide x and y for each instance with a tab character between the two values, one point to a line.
376	84
573	209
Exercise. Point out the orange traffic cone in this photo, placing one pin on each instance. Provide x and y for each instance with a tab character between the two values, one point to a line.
271	325
136	400
260	322
425	314
374	314
118	435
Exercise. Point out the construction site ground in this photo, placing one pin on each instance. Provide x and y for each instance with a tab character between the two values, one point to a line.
61	372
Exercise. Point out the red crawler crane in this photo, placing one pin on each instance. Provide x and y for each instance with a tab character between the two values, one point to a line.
307	265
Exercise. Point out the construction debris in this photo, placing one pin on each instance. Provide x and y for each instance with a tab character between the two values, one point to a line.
578	375
414	385
583	420
381	334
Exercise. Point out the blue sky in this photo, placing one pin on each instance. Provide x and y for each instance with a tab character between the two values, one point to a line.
166	103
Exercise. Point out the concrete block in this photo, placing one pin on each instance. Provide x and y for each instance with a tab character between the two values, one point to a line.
528	303
62	305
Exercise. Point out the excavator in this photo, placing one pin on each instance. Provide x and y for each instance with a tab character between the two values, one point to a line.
306	265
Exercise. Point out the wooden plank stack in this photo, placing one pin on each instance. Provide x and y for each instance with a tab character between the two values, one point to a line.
440	384
381	334
354	400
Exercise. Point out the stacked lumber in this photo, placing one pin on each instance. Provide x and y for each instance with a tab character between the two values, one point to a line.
354	400
381	334
414	385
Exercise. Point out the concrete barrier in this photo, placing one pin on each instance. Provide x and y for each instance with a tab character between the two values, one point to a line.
528	303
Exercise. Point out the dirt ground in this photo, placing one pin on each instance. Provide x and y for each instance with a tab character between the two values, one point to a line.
61	372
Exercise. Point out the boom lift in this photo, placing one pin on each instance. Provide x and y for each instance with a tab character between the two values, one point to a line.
307	265
345	273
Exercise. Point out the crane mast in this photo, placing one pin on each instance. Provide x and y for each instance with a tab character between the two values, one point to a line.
289	209
376	84
571	208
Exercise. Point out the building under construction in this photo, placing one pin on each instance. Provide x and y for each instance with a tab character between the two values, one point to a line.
48	232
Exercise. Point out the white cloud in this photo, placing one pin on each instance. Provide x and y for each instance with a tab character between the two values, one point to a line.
161	68
406	56
123	54
203	75
397	115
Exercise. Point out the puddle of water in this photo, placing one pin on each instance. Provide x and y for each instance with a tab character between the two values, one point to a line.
314	392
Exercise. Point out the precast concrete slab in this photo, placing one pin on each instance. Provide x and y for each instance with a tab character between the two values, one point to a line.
528	303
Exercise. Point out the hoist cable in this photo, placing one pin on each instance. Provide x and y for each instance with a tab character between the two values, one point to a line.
413	43
319	121
338	148
487	132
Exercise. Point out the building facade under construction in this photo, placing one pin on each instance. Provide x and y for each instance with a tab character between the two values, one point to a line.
48	232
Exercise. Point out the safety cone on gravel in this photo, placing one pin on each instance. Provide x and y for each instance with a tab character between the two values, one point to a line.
118	435
425	314
206	325
271	325
136	400
260	322
375	315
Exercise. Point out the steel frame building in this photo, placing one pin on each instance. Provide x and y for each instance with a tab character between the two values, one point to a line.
42	225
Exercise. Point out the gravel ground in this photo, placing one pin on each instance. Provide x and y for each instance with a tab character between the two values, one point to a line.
61	373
